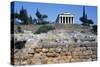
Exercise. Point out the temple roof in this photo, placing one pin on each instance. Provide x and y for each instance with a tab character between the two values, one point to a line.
66	13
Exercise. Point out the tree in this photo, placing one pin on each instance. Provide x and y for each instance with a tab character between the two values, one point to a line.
44	17
85	20
94	29
90	21
41	18
35	21
30	20
23	16
19	30
17	15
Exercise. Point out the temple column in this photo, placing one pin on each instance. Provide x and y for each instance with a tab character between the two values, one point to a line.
59	19
68	20
62	19
72	20
65	20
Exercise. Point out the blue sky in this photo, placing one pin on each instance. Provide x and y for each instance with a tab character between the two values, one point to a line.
52	10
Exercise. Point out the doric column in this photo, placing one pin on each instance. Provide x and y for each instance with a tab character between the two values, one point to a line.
72	20
62	20
59	19
68	20
65	20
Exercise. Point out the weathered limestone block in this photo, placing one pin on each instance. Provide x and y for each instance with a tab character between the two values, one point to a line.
45	50
34	45
55	60
82	57
71	48
69	57
37	50
37	56
52	54
82	48
94	48
89	59
76	53
85	57
42	54
36	61
93	56
44	60
89	48
64	49
65	58
86	44
93	44
61	61
24	62
83	60
73	60
28	50
63	53
90	52
21	55
17	62
58	50
68	53
95	59
94	52
76	57
52	60
87	52
77	49
52	49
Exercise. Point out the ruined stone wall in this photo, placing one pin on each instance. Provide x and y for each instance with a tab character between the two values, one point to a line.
73	53
33	28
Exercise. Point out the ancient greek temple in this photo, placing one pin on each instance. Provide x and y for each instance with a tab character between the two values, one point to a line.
65	18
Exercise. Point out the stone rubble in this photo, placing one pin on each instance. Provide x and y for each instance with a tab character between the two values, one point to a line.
57	46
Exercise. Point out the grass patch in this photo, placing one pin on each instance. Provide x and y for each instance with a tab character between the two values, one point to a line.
44	29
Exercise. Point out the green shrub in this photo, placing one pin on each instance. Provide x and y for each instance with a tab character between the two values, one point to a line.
82	31
44	29
19	30
94	29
